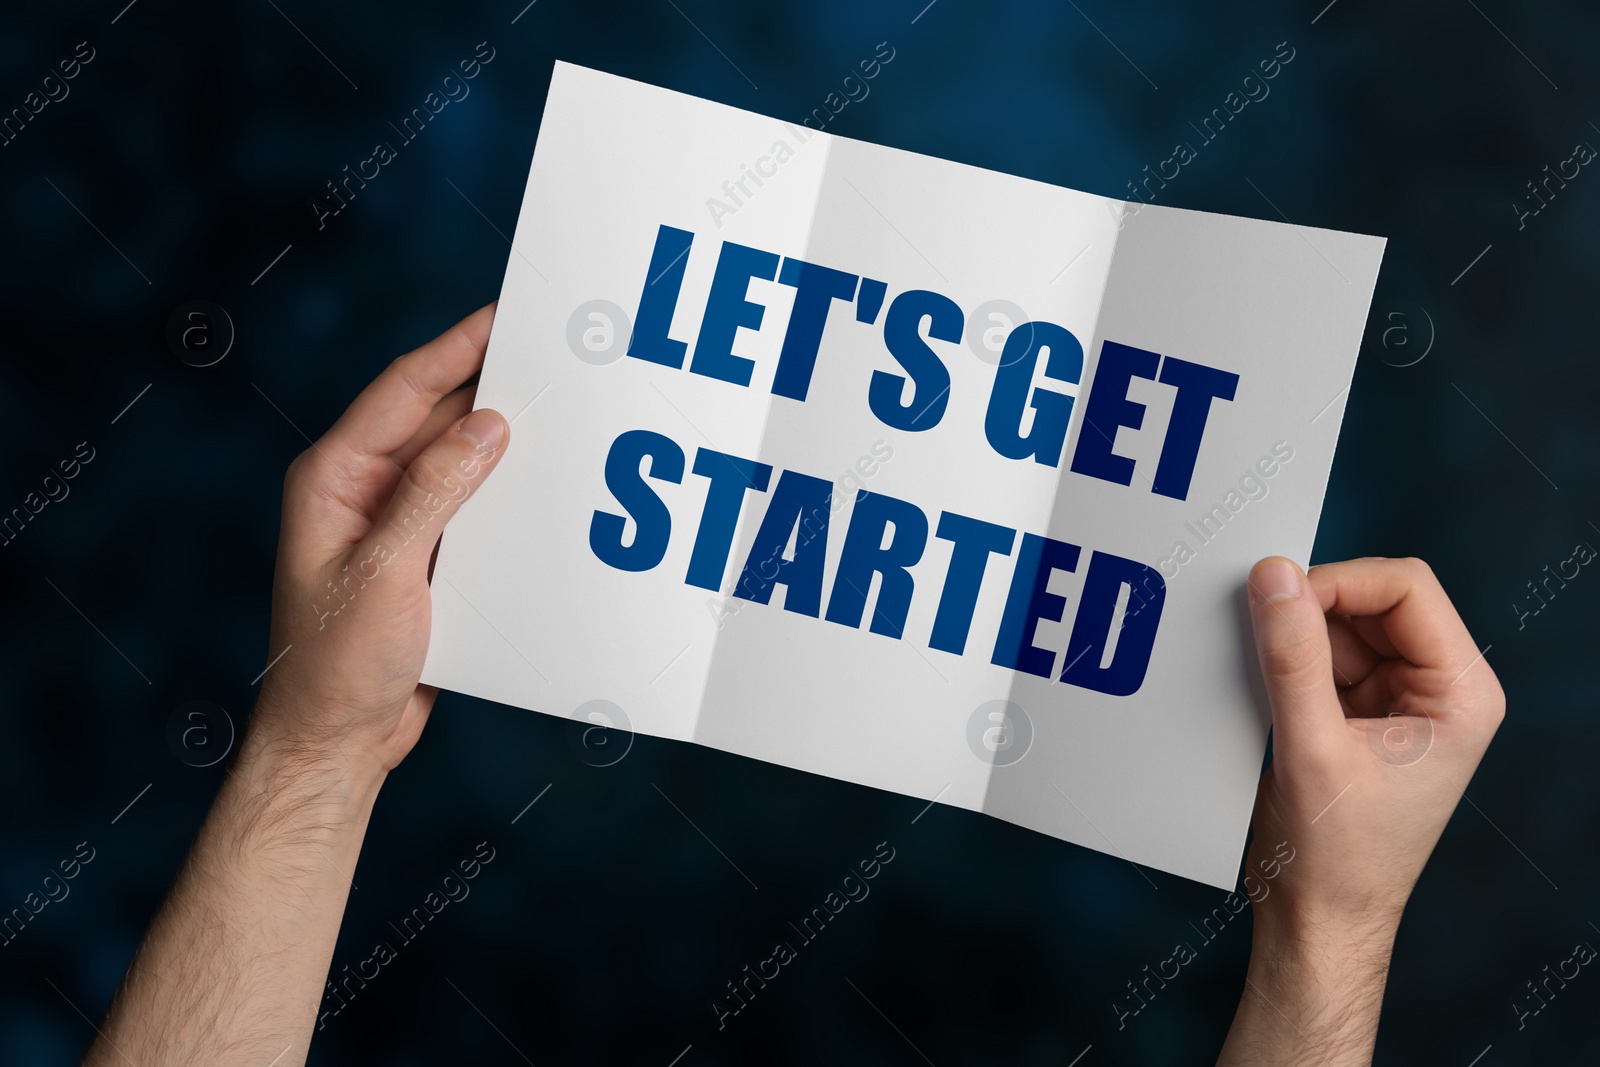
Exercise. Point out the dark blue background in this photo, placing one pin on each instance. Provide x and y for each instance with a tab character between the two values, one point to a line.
196	141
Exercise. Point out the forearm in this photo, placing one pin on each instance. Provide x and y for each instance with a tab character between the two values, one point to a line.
1312	996
233	967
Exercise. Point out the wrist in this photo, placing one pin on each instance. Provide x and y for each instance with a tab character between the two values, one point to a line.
1326	959
1298	949
290	820
1315	985
1302	935
290	770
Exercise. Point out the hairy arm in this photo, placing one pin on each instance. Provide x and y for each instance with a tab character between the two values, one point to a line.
234	965
1311	997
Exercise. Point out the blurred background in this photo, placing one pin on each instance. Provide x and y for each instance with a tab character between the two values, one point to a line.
180	163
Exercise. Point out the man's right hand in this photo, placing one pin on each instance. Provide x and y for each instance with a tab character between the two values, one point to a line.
1382	706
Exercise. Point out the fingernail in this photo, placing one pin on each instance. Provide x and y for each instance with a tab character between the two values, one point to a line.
483	428
1274	579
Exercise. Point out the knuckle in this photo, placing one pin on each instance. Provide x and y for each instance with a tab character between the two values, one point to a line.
1277	658
1494	702
294	475
1289	657
429	479
423	477
314	475
1419	570
1295	672
416	386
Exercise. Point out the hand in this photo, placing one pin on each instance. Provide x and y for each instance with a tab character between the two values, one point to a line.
362	514
1382	707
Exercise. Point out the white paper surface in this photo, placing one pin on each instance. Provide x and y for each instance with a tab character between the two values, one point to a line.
526	613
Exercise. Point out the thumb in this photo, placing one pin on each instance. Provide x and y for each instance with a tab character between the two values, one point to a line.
435	485
1296	660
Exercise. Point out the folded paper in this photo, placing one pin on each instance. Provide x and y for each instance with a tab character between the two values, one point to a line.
887	468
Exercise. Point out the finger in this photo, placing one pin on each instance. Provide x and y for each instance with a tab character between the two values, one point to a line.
1415	614
1370	627
1353	657
1376	694
444	415
391	410
435	485
1296	660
